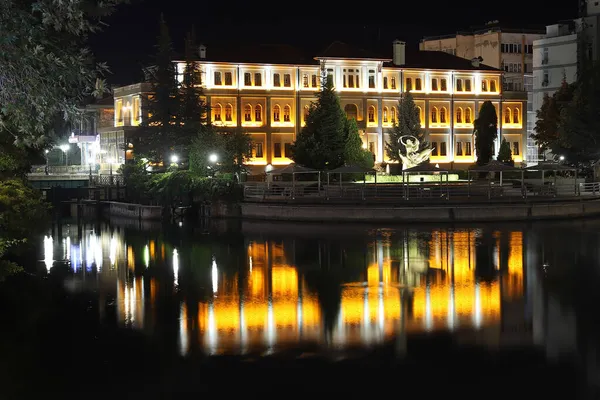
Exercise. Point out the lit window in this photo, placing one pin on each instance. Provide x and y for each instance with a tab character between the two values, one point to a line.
258	113
385	82
434	115
459	115
217	112
371	114
393	83
507	115
247	79
248	113
287	80
467	85
276	80
444	85
484	85
228	78
434	84
459	85
467	115
418	85
276	113
385	115
516	116
393	115
228	112
286	113
492	86
443	115
305	80
409	85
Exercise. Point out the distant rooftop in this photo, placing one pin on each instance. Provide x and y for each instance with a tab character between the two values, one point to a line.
493	26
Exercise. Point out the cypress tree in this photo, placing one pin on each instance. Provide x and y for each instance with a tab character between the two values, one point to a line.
485	129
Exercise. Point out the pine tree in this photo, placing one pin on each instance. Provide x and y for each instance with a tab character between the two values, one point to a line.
408	123
354	153
160	107
504	153
486	132
193	109
320	143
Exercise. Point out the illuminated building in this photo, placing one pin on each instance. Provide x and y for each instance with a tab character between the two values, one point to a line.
511	50
267	90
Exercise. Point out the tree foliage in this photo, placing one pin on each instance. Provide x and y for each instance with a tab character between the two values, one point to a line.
45	68
486	132
354	153
549	117
320	143
504	152
408	123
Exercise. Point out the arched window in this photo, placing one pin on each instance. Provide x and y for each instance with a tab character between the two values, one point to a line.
420	115
248	113
434	115
217	109
385	115
371	114
286	113
468	115
459	113
351	111
507	115
228	112
393	117
258	113
516	116
276	113
443	115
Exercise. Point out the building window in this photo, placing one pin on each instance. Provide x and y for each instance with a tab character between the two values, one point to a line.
418	85
248	113
277	80
507	115
351	111
287	80
459	149
420	114
516	116
444	85
443	115
217	112
286	113
257	79
484	85
306	112
315	82
385	115
351	78
393	83
228	78
137	110
467	85
276	113
119	112
493	86
434	115
277	150
217	78
434	84
247	79
371	79
434	147
468	115
393	117
409	85
258	150
459	115
515	148
228	112
443	151
468	151
371	114
385	82
305	80
258	113
287	149
459	85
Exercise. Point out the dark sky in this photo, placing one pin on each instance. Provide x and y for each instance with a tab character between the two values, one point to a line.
127	43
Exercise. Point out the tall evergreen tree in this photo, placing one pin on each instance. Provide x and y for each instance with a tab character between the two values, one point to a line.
161	107
320	143
408	123
193	109
486	132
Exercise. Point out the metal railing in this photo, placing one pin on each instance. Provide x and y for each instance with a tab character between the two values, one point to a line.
306	192
107	180
62	170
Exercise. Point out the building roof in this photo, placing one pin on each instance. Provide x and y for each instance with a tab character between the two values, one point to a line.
256	54
494	26
424	59
337	50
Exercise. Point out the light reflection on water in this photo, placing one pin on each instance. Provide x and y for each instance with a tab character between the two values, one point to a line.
262	295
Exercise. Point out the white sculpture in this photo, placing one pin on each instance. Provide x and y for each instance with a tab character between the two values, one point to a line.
413	156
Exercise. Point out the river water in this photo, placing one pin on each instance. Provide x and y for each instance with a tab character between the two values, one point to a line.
262	288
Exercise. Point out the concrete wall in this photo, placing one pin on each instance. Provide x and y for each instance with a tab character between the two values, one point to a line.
138	211
359	213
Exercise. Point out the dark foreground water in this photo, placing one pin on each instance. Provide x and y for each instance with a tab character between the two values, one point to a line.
522	298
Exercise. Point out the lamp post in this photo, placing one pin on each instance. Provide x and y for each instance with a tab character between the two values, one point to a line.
46	152
213	158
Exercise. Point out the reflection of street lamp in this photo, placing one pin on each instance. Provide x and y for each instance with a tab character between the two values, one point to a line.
110	165
65	149
46	151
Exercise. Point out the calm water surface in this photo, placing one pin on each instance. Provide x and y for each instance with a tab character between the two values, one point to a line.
263	288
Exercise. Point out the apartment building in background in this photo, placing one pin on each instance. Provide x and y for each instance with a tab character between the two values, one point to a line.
267	90
558	55
508	49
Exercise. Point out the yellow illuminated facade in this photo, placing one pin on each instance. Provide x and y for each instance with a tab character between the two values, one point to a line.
271	101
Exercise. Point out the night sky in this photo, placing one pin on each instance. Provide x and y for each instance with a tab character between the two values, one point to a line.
127	43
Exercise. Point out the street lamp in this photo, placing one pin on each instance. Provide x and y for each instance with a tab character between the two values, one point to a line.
46	151
65	149
174	159
213	158
561	158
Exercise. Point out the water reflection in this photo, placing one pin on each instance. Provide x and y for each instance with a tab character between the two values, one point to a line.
259	294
